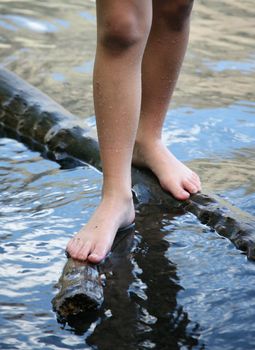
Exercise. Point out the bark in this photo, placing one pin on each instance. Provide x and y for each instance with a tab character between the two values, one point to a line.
30	116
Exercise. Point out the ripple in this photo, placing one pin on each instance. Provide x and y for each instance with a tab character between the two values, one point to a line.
214	288
221	66
178	269
28	23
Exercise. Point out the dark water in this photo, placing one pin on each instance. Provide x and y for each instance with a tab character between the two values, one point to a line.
179	285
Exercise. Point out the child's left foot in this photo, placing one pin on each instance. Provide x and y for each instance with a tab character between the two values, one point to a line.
172	174
93	242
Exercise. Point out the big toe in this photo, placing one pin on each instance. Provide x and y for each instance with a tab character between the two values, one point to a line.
97	255
177	191
181	194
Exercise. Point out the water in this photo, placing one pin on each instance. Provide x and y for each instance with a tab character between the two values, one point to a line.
180	285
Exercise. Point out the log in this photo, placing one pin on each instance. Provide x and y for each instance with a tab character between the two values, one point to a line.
31	117
81	284
80	289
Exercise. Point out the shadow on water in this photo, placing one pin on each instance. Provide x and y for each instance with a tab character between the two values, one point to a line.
172	283
140	309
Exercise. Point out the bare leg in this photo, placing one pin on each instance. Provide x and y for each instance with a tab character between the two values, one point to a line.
123	28
162	61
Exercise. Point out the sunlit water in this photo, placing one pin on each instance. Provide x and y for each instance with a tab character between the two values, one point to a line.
181	286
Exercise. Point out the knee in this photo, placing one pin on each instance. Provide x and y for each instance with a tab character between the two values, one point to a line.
176	13
119	33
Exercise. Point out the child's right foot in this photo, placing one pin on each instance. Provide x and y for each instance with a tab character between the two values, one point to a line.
172	174
95	239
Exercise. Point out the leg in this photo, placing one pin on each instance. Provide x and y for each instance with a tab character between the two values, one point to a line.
123	29
161	64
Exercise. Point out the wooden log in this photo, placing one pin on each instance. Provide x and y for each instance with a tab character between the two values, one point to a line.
80	289
81	284
30	116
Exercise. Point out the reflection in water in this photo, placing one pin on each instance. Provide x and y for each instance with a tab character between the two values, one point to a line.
162	322
140	309
34	233
141	296
167	285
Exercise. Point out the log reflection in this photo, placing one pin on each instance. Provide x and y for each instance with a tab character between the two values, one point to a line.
141	295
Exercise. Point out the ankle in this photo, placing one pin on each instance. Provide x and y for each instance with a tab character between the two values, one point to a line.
121	204
116	195
146	142
117	187
146	135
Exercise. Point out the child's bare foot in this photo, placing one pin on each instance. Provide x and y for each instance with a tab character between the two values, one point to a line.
172	174
95	239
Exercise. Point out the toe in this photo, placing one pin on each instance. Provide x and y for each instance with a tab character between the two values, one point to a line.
195	184
177	190
97	255
181	194
71	246
190	186
84	251
95	258
70	243
196	178
77	249
81	252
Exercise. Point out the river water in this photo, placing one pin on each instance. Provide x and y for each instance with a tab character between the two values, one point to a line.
179	285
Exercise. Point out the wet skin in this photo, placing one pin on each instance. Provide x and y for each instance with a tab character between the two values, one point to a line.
94	240
144	44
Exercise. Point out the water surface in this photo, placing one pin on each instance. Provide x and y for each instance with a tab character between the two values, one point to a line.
178	284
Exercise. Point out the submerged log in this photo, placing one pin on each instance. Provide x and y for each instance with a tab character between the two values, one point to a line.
30	116
81	284
80	289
